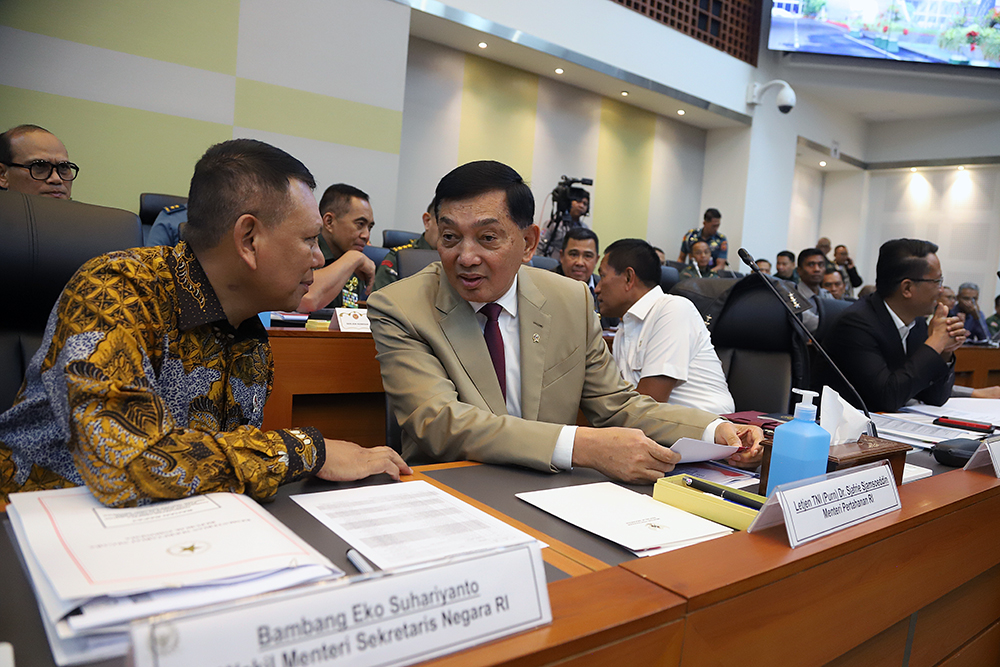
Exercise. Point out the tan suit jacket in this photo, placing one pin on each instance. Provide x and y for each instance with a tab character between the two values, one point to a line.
445	393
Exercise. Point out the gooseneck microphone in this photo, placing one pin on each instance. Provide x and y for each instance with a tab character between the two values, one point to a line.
749	261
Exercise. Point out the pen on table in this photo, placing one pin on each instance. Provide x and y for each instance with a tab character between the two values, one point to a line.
359	561
725	494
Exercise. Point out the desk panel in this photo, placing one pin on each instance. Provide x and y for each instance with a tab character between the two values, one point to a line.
977	367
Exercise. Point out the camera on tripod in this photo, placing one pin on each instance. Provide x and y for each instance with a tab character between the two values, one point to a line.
561	219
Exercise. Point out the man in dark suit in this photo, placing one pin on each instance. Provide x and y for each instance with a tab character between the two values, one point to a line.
884	344
487	359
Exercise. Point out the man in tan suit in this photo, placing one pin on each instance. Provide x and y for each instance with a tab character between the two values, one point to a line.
447	365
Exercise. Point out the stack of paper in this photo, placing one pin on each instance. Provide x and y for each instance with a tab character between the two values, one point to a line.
94	568
635	521
399	525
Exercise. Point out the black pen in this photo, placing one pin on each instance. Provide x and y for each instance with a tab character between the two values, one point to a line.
725	494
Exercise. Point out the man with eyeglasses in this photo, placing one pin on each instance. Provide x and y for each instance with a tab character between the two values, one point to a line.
35	162
884	343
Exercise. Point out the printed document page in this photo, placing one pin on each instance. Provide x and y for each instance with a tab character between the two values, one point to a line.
86	549
633	520
401	524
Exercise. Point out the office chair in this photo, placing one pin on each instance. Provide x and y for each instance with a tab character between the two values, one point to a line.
413	260
542	262
44	242
150	205
375	253
763	354
393	238
679	266
669	276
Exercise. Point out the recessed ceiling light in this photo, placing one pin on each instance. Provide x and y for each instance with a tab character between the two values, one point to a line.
482	45
960	168
822	163
559	70
913	169
680	112
624	93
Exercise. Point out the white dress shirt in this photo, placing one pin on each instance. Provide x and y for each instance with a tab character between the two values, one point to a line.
663	334
902	329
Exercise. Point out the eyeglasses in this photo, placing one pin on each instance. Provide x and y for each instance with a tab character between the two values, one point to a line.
939	281
40	170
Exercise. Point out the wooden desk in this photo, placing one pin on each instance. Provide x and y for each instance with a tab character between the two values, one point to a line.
329	380
977	367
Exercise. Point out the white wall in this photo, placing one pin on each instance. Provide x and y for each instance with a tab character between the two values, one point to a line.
843	216
675	196
807	205
936	138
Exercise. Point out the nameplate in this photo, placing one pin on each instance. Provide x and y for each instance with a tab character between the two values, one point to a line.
386	618
820	506
353	319
988	452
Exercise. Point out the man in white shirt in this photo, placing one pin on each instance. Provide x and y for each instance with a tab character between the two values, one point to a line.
662	345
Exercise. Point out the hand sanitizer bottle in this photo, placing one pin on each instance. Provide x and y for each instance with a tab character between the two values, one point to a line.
801	447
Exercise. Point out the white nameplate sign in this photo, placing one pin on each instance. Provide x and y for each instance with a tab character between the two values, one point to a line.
822	505
987	452
385	619
353	319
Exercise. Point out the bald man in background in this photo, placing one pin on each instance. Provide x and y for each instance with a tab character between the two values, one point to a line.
33	161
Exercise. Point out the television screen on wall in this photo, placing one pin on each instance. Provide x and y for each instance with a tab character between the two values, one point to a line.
955	32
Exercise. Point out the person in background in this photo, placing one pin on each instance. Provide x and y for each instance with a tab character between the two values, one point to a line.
833	283
884	344
784	266
578	259
842	260
34	162
948	298
866	291
764	266
166	229
347	225
151	380
553	234
967	310
662	346
811	266
488	359
701	262
662	255
386	272
993	321
823	245
709	233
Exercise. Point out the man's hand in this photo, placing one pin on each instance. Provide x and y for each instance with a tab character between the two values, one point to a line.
986	392
744	436
365	271
624	454
945	334
346	461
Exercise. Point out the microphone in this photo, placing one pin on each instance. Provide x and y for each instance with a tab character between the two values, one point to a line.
749	261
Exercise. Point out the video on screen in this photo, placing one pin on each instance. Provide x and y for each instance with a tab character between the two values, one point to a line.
953	32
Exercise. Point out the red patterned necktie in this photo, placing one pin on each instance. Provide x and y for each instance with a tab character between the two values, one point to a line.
494	343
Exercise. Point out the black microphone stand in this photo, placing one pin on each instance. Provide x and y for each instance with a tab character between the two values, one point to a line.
749	261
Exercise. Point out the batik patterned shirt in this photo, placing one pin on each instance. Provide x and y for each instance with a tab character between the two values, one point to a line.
142	390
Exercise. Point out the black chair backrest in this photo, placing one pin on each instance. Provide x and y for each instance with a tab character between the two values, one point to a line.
413	260
44	242
150	205
543	262
393	238
669	276
675	264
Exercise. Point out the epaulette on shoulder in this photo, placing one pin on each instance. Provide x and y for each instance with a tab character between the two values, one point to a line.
174	208
406	245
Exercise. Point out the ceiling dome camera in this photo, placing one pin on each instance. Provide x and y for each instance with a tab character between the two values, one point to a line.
786	96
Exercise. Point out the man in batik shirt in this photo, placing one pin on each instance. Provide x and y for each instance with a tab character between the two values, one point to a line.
152	376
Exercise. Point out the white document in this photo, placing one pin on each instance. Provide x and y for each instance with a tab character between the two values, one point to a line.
695	451
976	409
916	429
633	520
87	550
912	473
401	524
713	472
